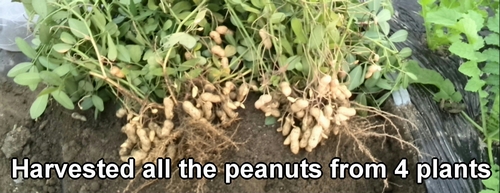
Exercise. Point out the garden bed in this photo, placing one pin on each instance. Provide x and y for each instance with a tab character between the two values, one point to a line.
57	137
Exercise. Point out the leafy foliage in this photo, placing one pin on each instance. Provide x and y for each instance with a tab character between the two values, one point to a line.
90	51
492	184
458	24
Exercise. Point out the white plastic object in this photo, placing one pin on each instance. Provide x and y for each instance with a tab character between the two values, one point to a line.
13	23
401	96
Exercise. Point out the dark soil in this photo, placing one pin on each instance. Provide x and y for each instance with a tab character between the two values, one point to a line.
56	137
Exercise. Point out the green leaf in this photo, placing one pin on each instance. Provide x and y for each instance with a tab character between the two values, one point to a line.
384	84
412	76
27	78
123	54
33	87
19	68
356	78
292	62
476	17
98	102
63	69
112	50
384	27
317	37
67	38
474	84
44	61
399	36
78	28
383	98
129	2
40	7
135	52
432	77
374	5
492	23
188	64
277	17
492	67
493	80
443	16
463	50
492	39
200	16
361	51
384	15
25	48
257	3
47	91
405	52
488	191
62	47
270	120
491	183
372	34
372	81
194	73
287	46
467	26
112	29
38	106
361	99
86	104
182	38
152	5
86	85
98	19
297	30
492	54
63	99
51	78
470	69
230	51
45	35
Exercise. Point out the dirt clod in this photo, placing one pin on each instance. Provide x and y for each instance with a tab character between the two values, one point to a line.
95	186
70	150
52	181
49	189
84	189
14	141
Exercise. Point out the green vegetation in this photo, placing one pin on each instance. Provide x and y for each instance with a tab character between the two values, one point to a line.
456	26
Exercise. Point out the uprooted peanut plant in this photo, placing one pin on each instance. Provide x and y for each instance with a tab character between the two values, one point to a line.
182	69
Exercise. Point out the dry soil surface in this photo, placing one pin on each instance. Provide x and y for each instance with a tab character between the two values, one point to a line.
56	137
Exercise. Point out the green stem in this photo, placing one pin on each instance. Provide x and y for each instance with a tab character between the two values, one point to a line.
244	32
493	134
483	130
90	38
236	76
473	122
490	151
195	11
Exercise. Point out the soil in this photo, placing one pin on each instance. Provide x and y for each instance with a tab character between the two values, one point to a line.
56	137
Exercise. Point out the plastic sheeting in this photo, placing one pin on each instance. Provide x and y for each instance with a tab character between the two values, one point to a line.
449	137
13	23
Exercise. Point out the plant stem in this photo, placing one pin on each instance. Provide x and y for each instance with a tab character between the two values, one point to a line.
487	137
125	91
165	60
473	122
